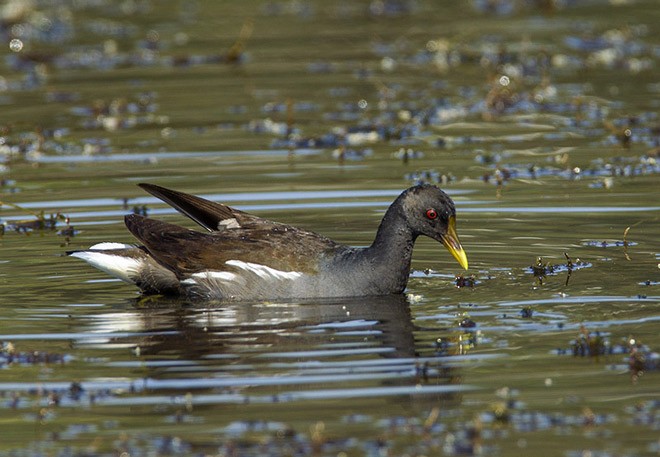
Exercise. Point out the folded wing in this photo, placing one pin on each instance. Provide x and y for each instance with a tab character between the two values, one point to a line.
210	215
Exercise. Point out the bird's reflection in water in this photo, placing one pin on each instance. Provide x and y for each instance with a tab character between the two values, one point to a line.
378	325
336	343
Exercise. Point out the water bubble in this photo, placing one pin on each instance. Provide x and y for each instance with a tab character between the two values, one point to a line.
16	45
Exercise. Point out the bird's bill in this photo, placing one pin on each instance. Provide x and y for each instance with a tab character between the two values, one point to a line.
451	242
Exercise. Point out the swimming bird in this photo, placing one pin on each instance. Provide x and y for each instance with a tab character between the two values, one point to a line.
246	257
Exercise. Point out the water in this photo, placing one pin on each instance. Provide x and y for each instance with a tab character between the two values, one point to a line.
539	120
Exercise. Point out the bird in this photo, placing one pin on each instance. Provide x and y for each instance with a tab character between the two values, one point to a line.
243	257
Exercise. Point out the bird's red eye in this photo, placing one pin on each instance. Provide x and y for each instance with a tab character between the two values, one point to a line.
431	214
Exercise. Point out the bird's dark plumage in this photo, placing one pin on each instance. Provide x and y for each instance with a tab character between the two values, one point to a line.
245	257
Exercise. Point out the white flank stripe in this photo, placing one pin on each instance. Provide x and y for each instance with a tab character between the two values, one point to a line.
107	245
120	267
263	271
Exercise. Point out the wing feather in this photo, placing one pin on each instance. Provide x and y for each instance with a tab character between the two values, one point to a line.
210	215
186	252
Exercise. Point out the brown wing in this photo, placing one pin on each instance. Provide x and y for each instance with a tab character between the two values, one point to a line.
186	251
210	215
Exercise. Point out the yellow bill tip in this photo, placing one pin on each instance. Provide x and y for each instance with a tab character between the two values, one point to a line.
461	257
452	243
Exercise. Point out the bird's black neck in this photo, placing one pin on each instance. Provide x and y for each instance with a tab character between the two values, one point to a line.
390	254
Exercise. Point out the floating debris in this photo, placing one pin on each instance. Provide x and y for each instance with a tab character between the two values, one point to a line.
465	281
9	356
67	232
466	322
638	357
540	270
459	343
527	312
590	344
543	269
41	223
641	359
